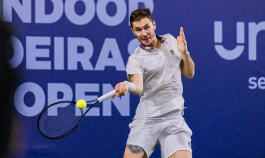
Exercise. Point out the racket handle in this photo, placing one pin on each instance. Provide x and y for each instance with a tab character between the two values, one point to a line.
106	96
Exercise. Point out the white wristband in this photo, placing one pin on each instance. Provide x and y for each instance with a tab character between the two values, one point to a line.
132	86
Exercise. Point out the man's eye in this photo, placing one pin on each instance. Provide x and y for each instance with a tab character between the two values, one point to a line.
147	27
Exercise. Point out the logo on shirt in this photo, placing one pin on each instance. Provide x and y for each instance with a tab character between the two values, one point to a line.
189	143
172	52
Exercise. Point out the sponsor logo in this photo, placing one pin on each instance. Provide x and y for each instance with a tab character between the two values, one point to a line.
232	54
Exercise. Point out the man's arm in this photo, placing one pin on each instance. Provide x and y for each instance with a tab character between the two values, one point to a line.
187	65
137	79
123	87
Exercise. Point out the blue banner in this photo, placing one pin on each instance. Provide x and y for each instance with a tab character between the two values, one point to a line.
78	49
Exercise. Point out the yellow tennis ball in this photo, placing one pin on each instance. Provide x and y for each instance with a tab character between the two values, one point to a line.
81	104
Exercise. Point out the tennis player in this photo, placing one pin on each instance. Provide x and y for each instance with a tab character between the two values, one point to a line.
154	72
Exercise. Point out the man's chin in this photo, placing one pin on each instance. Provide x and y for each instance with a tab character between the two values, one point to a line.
146	44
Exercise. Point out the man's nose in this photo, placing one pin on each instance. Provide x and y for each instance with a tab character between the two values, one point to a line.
144	33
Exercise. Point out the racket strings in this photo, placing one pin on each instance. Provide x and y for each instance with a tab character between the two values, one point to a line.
59	120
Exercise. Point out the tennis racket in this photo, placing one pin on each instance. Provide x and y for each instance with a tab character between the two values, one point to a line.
59	119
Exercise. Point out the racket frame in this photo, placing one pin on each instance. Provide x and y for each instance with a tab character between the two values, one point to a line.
100	99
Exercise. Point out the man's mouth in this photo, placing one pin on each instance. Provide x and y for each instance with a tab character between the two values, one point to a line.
146	39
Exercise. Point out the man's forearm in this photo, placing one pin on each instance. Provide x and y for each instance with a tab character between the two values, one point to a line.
188	66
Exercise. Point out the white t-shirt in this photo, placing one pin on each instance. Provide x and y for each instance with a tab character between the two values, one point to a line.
162	86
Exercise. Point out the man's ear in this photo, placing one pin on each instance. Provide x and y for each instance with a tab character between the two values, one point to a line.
133	31
154	24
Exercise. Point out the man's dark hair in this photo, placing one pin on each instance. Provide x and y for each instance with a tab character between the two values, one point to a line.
139	14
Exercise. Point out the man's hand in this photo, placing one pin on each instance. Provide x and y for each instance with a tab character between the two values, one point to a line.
187	65
121	89
181	41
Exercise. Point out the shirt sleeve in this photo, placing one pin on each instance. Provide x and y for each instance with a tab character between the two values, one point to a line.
133	66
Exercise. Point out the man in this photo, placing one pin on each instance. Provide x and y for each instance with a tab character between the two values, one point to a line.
154	71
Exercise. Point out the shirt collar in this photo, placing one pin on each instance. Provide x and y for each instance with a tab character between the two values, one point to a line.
162	40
